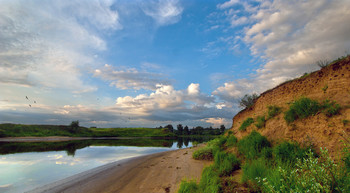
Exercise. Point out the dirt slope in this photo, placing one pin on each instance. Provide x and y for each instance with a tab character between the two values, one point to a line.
331	82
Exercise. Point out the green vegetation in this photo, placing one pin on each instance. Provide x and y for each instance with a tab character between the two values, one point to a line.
260	121
286	167
205	153
252	145
273	111
305	107
248	100
301	108
330	108
231	141
325	88
246	123
345	122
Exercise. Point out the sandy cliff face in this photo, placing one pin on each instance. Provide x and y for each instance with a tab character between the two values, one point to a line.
331	82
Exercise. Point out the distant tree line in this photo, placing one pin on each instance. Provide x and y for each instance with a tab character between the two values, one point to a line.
181	130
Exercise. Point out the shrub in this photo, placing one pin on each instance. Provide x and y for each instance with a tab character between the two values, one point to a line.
302	108
188	187
248	100
210	180
217	142
287	152
246	123
330	108
225	163
252	145
272	111
260	122
322	63
231	141
309	175
205	153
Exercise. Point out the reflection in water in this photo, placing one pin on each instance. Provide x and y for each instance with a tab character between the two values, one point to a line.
26	165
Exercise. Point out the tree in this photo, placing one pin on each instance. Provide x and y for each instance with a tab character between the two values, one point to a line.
186	131
74	126
248	100
222	128
180	129
170	127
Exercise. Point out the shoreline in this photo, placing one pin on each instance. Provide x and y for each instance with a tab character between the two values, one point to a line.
159	172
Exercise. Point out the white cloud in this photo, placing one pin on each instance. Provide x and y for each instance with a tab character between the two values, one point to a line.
289	37
49	44
217	121
130	78
164	12
227	4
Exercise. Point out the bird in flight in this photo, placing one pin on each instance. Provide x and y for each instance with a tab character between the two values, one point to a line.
26	97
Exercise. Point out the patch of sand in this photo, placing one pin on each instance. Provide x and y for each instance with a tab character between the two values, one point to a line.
156	173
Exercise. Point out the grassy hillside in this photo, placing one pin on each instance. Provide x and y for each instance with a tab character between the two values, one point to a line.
18	130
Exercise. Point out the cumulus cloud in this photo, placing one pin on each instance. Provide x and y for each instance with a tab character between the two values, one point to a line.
130	78
227	4
164	12
289	44
217	121
48	44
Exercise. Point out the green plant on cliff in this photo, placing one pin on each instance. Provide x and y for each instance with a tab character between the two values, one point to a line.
273	111
330	108
246	123
252	145
301	108
260	122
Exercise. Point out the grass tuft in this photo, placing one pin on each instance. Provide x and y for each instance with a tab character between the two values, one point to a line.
273	111
246	123
260	122
302	108
252	145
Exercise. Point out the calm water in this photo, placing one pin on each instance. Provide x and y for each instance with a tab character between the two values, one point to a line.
25	166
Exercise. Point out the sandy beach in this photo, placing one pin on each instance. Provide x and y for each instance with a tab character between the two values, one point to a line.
160	172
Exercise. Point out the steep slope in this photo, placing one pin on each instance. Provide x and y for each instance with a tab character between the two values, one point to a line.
331	82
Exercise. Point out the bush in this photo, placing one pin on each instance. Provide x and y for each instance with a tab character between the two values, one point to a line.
210	180
248	100
309	175
287	152
225	163
188	187
205	153
260	122
330	108
246	123
272	111
322	63
302	108
217	142
252	145
231	141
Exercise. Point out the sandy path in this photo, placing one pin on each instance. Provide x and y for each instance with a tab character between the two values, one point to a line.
161	172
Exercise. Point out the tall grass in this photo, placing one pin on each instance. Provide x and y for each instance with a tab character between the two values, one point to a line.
260	121
231	141
188	186
273	111
205	153
225	163
210	180
252	145
288	152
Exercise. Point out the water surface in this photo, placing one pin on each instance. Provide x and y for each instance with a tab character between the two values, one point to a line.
27	165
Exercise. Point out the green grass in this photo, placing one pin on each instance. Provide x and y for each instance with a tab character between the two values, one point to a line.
301	108
273	111
260	122
254	169
246	123
205	153
231	141
252	145
210	180
18	130
287	152
188	187
225	163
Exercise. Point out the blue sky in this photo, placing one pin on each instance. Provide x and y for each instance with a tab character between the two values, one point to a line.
117	63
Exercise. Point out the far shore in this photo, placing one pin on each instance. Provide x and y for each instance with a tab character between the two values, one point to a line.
157	173
64	138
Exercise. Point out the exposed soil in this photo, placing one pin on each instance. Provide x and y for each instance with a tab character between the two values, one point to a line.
331	82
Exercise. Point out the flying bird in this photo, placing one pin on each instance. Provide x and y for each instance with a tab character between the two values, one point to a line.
26	97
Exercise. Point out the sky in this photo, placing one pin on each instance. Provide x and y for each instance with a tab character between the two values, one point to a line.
147	63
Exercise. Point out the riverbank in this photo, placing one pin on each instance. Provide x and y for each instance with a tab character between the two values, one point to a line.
160	172
61	138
